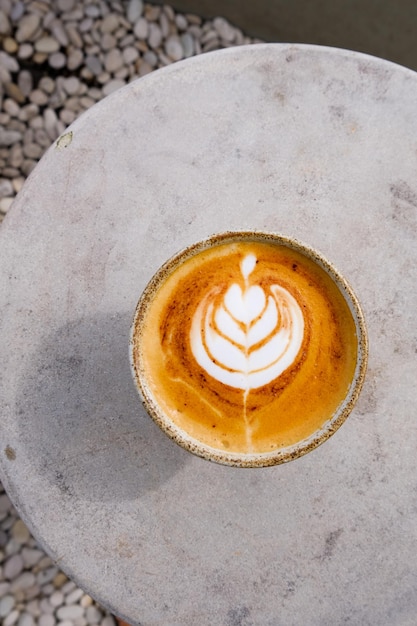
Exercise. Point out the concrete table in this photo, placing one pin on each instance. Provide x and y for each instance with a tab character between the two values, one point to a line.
311	142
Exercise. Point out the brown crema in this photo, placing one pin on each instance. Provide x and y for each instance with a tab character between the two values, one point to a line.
256	418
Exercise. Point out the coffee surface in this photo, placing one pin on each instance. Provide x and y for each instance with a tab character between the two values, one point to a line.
246	346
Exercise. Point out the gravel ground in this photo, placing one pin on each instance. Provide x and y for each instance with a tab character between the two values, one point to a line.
57	58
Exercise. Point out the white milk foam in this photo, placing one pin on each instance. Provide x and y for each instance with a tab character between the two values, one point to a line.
252	337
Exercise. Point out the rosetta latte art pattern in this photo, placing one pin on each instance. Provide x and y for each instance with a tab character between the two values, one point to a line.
247	338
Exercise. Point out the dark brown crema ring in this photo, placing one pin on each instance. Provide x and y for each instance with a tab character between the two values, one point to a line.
248	349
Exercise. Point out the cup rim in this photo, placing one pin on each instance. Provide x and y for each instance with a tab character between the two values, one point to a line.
258	459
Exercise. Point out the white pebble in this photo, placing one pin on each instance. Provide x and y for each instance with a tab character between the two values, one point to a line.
56	599
134	10
28	26
17	11
14	565
75	58
39	97
23	581
47	85
32	607
150	58
93	615
28	111
41	139
80	621
45	607
94	64
154	36
181	21
8	62
74	35
7	138
71	612
86	601
47	575
92	10
108	621
66	5
12	618
110	23
113	60
224	29
108	41
11	107
130	54
112	85
85	27
26	619
12	547
59	32
67	117
68	587
141	28
17	186
57	60
71	85
187	42
74	596
4	24
165	25
173	48
25	51
6	189
9	521
46	620
50	120
6	605
34	591
47	45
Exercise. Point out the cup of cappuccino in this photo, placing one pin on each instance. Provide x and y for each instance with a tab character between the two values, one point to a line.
248	348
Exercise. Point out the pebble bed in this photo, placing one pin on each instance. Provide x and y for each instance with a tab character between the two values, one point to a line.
33	591
57	59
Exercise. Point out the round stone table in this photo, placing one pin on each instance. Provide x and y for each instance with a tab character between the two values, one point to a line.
310	142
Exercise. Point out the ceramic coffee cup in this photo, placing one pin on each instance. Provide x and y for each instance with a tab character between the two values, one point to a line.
248	348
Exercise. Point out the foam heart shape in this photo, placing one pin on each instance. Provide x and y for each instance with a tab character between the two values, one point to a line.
245	307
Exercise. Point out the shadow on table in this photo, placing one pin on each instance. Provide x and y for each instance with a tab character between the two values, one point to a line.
82	424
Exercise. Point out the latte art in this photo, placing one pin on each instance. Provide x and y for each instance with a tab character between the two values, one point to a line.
244	346
248	338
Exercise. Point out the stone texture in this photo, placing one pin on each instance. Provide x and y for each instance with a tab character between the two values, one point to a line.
70	612
113	60
173	48
28	26
46	620
6	605
134	10
47	45
6	187
141	28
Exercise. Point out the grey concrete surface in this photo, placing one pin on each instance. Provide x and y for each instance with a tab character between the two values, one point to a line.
314	143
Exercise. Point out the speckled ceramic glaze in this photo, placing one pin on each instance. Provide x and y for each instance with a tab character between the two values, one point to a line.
223	339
